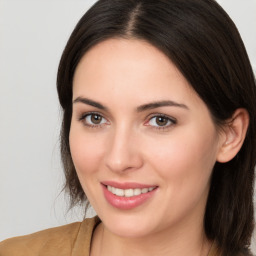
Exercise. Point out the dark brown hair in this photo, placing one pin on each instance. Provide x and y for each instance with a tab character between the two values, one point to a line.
203	42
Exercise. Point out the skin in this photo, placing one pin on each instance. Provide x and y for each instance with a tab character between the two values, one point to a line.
129	146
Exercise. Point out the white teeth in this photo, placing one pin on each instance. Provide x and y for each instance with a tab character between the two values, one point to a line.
144	190
129	192
119	192
137	191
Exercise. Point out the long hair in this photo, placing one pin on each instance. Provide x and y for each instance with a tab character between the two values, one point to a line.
203	42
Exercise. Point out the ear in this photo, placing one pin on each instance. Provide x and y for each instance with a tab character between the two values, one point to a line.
233	135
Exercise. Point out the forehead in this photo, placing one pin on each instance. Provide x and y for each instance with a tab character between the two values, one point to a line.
123	54
129	69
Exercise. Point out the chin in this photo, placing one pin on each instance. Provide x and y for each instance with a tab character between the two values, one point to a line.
128	225
130	231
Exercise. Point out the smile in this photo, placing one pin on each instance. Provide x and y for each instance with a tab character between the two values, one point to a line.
126	196
129	192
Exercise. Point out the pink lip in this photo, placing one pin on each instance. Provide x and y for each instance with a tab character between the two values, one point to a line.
126	203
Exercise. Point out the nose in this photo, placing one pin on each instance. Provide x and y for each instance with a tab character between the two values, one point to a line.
123	152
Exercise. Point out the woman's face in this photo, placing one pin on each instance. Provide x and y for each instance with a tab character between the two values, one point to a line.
143	143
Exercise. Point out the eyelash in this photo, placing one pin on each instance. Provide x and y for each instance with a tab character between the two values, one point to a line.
171	120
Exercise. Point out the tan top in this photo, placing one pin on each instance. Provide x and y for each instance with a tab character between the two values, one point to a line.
69	240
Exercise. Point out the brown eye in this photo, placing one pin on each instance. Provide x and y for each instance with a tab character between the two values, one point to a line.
96	119
161	121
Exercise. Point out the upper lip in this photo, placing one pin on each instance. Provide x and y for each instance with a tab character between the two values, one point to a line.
126	185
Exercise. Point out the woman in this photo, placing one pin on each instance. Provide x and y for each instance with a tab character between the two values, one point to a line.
158	133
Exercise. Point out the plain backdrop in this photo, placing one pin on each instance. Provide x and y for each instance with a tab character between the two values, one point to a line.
32	36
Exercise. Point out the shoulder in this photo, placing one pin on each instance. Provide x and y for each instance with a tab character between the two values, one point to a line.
41	241
50	242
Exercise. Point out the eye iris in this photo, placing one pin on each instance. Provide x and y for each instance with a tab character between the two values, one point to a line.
161	121
96	119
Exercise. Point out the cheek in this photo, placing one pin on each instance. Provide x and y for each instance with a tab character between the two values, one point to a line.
85	151
184	159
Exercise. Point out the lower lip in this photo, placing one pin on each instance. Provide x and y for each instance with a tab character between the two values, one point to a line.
127	203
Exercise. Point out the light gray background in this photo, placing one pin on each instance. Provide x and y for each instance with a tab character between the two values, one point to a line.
32	36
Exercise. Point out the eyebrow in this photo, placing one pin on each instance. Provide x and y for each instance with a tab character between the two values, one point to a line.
90	102
158	104
144	107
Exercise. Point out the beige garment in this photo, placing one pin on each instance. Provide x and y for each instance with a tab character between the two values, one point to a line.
69	240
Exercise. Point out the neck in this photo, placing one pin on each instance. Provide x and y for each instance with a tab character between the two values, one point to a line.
176	242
